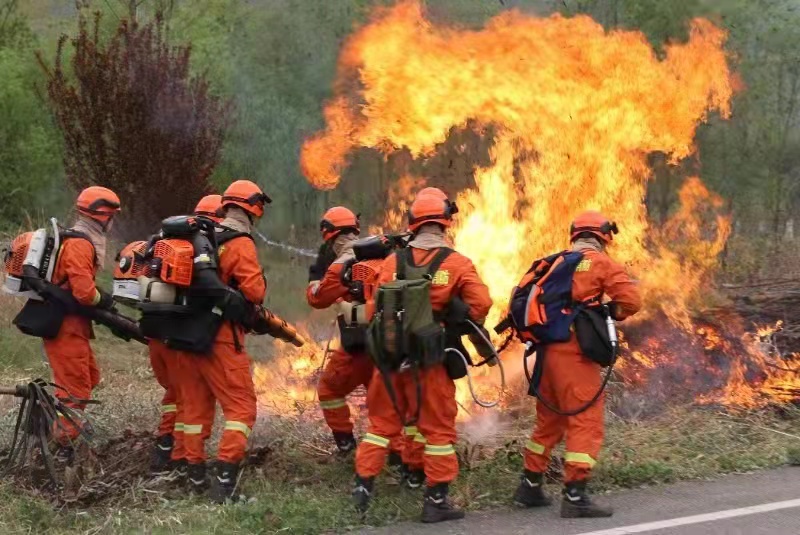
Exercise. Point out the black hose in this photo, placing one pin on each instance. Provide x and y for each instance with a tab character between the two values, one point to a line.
538	395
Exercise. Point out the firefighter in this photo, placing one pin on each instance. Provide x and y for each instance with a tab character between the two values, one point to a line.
429	217
344	371
570	379
69	353
224	375
169	453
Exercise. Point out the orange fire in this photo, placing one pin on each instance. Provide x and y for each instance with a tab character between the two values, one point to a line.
575	112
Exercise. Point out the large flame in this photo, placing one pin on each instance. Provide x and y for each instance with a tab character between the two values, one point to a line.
575	111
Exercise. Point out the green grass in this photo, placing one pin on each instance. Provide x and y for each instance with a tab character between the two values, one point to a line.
297	490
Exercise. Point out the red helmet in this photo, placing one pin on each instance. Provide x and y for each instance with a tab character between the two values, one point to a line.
98	203
431	205
247	196
209	206
594	223
336	220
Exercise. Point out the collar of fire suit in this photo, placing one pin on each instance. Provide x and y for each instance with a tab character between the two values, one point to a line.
236	219
430	237
587	244
94	230
343	247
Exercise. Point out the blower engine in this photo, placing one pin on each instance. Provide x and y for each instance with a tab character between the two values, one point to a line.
130	266
31	254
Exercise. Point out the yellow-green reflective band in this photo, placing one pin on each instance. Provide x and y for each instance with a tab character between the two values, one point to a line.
333	403
534	447
238	426
192	429
179	427
410	430
584	458
96	298
419	438
447	449
169	408
369	438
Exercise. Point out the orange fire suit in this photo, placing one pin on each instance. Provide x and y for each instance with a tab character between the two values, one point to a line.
344	371
69	353
438	408
224	375
166	368
570	380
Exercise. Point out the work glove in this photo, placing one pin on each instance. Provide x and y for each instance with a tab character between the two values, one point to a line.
106	301
314	286
325	257
613	310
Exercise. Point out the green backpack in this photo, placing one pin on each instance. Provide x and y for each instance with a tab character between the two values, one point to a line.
403	332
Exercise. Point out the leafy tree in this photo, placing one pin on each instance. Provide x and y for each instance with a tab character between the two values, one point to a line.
29	149
136	120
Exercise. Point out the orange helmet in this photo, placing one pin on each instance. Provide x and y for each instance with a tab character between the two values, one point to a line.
594	223
209	206
431	205
436	192
247	196
98	203
336	220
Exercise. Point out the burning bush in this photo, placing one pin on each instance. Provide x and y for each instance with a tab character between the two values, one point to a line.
134	119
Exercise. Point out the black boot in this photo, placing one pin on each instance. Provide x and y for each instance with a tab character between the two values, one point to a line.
160	458
345	442
223	484
437	508
530	492
578	504
362	493
415	479
196	478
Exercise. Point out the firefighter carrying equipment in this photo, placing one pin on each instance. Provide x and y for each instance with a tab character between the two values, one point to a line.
30	265
247	196
595	224
183	300
432	206
542	312
337	220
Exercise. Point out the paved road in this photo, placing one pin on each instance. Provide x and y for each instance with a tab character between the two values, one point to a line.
764	503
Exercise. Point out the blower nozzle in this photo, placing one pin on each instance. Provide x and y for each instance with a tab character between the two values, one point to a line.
265	322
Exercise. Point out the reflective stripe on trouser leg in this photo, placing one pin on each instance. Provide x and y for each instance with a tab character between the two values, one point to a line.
169	408
579	458
179	427
445	449
238	426
330	404
376	440
189	429
535	447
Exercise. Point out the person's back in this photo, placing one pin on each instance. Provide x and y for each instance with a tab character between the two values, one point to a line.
69	353
427	390
571	380
224	375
